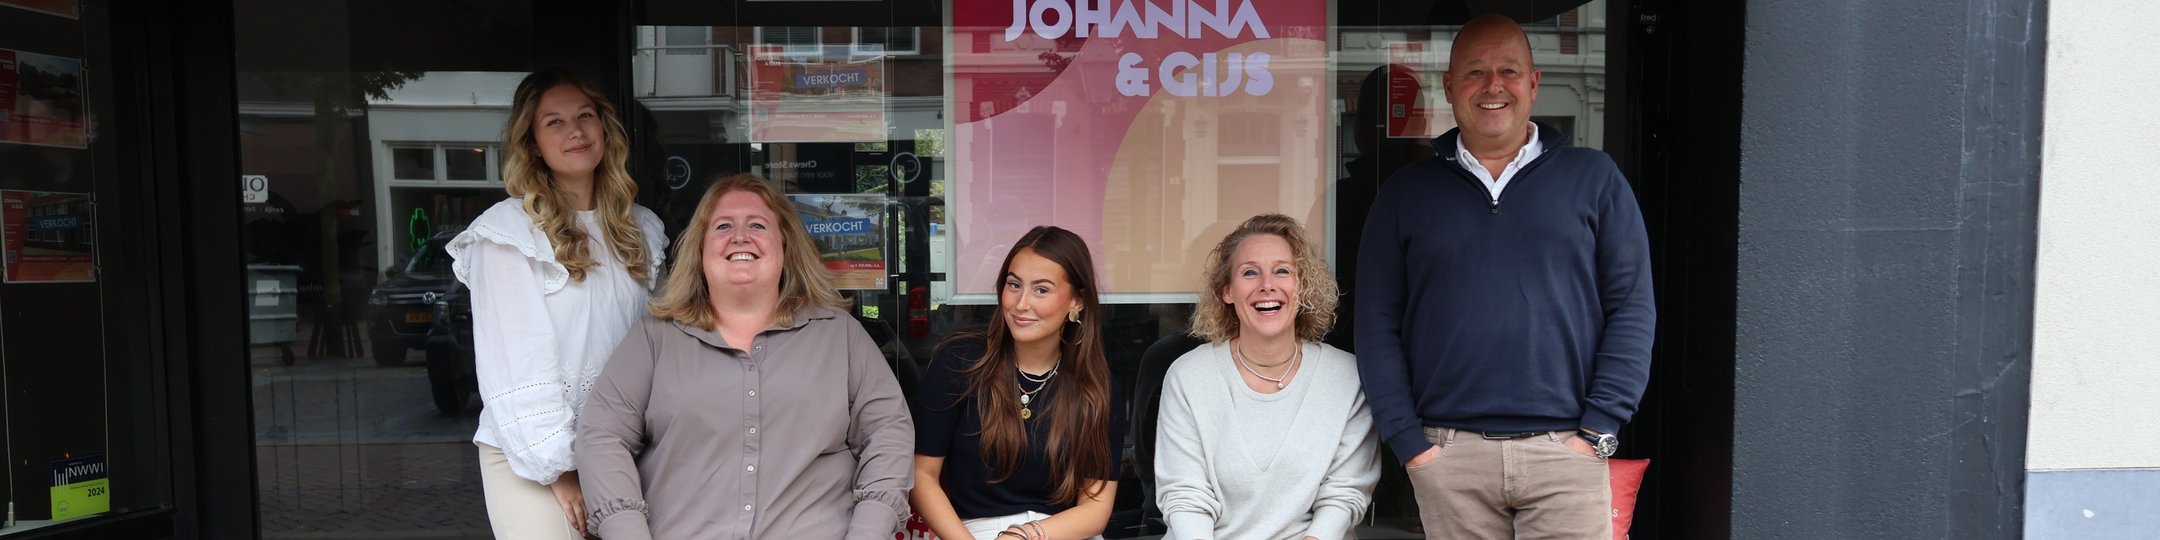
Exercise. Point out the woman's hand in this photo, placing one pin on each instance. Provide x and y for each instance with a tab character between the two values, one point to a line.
571	498
1025	531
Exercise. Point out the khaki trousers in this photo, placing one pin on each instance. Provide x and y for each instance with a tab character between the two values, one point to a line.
1528	488
519	508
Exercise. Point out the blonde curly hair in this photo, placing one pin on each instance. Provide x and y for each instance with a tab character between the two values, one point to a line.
1317	294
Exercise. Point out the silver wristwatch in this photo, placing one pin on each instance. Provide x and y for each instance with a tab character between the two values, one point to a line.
1604	443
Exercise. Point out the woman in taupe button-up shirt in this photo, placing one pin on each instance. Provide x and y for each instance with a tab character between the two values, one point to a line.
747	405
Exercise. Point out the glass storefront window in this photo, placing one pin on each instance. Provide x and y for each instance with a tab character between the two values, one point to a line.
946	132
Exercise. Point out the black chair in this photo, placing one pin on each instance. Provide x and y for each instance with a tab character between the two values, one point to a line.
1147	400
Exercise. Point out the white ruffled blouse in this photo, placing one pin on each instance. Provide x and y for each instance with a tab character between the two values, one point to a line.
539	339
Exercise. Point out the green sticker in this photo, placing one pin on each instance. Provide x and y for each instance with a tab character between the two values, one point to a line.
79	487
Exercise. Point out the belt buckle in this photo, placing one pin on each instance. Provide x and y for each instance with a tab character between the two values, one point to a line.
1507	435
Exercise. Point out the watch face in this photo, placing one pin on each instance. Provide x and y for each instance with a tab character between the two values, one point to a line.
1607	444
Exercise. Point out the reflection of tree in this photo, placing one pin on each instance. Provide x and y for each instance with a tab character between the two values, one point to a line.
872	178
1057	62
929	143
335	96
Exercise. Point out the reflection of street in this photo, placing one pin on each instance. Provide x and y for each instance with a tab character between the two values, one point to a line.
345	449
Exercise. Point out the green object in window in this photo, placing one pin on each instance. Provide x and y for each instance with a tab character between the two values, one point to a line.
418	227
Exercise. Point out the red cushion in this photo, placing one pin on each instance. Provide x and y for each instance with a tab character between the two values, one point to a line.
1626	480
915	530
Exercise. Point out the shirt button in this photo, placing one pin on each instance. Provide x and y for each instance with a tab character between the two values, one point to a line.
752	468
753	431
745	508
760	347
753	393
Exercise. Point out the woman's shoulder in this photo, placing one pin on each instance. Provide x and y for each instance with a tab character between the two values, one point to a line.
509	211
504	223
647	220
1195	361
1334	366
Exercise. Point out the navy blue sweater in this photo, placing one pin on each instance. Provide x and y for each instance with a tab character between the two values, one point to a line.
1530	312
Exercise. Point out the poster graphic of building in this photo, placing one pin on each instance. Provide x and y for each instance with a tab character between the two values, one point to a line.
47	237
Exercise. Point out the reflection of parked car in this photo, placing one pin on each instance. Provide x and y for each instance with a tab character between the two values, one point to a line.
450	350
399	316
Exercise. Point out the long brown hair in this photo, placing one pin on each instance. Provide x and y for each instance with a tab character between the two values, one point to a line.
527	177
804	281
1079	414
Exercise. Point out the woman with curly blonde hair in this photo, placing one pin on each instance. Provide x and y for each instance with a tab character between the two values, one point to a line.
1263	432
558	273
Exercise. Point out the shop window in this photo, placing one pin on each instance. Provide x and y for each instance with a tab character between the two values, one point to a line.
466	164
412	163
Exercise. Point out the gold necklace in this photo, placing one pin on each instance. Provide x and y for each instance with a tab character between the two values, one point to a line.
1027	396
1295	356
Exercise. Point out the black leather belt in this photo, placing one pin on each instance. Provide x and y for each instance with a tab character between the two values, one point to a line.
1509	435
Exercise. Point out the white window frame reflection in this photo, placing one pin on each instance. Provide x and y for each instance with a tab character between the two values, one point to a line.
441	163
862	47
793	50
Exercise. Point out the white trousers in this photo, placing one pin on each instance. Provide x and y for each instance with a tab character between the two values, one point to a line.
988	527
519	508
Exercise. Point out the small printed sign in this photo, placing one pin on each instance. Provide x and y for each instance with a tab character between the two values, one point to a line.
254	188
79	487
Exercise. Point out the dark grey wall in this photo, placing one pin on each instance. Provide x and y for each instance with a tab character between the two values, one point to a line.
1889	166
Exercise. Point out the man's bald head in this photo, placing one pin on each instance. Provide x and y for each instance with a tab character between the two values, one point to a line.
1491	26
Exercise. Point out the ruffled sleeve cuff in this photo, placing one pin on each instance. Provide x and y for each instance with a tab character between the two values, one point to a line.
878	514
533	423
618	519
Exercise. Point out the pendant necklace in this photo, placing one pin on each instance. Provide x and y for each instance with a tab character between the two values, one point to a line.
1028	396
1291	363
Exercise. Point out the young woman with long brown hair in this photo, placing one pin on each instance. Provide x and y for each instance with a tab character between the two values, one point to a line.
558	272
1018	431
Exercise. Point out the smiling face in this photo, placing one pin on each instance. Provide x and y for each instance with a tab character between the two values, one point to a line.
1263	287
1491	84
567	132
1036	296
743	244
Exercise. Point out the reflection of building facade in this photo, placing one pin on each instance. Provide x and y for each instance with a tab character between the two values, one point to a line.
435	149
697	82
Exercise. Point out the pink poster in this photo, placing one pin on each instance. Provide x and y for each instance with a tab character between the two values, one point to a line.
1149	127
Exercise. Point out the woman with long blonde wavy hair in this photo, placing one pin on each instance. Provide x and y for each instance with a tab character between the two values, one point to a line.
558	273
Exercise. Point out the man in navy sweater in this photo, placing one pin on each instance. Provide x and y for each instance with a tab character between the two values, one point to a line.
1505	313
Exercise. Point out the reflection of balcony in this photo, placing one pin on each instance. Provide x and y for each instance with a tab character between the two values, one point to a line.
686	71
